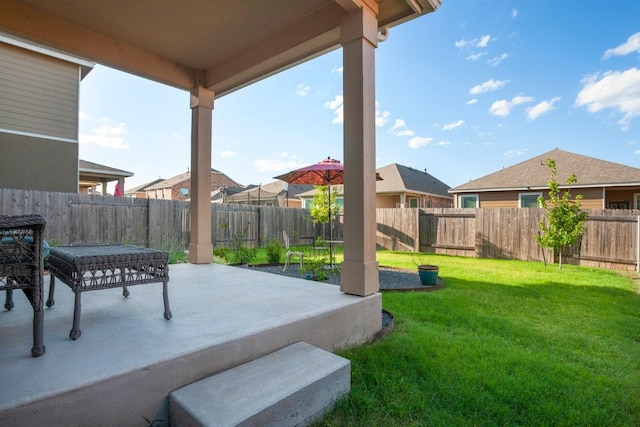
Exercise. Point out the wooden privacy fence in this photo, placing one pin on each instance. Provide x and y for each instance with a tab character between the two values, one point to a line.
78	219
611	240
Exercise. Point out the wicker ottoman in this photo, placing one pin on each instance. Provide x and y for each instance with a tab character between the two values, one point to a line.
89	268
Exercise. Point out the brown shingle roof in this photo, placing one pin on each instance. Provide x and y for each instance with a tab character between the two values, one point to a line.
398	179
218	179
91	167
534	173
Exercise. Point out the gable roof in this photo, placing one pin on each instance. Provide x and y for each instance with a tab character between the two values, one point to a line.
95	169
534	174
218	179
271	191
399	179
142	187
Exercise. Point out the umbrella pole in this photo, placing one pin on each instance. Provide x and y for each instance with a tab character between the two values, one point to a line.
330	225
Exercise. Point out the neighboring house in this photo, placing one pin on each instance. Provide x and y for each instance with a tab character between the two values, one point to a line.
405	187
39	90
90	175
400	187
221	195
179	186
140	192
277	193
602	184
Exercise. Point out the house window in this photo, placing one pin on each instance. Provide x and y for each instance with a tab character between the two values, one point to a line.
528	200
413	202
469	201
184	192
307	203
620	204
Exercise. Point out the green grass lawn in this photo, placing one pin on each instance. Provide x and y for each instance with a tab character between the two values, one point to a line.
504	343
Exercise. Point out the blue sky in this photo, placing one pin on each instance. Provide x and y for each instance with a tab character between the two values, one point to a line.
463	92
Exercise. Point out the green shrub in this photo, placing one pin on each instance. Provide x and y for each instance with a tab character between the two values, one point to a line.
273	248
315	268
177	257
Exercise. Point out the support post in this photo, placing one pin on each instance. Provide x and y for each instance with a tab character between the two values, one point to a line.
200	247
358	37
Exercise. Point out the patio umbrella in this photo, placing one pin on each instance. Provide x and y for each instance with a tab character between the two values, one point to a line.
326	172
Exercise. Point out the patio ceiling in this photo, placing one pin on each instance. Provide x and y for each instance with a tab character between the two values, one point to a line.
221	45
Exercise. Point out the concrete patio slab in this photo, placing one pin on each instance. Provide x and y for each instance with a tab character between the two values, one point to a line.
129	357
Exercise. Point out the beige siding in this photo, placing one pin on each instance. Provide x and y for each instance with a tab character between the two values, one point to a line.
38	164
38	94
505	199
591	198
387	201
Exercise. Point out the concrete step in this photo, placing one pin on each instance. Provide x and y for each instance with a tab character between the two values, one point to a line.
293	386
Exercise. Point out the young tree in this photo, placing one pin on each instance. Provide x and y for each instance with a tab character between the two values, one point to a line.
565	219
319	208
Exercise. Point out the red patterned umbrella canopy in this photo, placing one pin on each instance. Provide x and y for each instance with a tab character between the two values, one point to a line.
326	172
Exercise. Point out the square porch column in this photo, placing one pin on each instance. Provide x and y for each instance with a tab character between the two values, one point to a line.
200	247
358	37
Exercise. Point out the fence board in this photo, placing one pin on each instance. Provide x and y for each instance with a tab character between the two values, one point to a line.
397	229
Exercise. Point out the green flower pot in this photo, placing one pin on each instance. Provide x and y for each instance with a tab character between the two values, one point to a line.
428	274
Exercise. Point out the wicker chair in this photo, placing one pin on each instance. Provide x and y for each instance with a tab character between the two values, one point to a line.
21	267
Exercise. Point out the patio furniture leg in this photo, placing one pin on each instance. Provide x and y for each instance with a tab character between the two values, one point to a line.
8	302
38	348
52	287
75	330
165	297
125	291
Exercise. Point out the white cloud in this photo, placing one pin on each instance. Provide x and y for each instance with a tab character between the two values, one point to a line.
476	56
228	153
488	86
398	123
617	90
443	143
451	126
337	70
495	61
419	141
275	165
302	89
514	153
107	136
504	107
338	109
382	117
472	101
514	13
541	108
83	116
399	128
632	45
482	41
